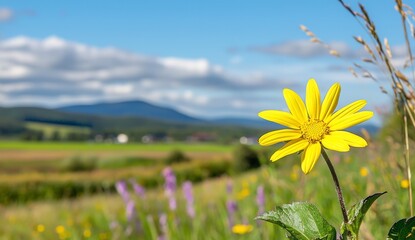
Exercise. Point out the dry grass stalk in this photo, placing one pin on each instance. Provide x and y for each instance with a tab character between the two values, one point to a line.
400	83
314	39
380	54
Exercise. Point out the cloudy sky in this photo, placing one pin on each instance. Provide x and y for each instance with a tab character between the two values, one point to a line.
208	59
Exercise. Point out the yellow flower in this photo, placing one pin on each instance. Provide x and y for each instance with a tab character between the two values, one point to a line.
314	124
294	172
405	183
40	228
364	172
242	228
294	175
87	233
60	229
243	193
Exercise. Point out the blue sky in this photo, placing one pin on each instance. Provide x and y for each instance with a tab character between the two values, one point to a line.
207	58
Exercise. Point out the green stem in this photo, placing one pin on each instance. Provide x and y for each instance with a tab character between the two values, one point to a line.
337	184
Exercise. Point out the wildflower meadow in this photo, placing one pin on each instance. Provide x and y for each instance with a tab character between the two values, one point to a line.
316	173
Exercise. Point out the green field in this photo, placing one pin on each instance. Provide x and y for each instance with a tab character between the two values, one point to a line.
49	129
39	212
81	146
283	182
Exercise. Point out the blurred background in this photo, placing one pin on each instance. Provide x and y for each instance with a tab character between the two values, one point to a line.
97	98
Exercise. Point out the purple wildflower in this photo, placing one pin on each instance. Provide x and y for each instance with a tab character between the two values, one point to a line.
229	187
232	207
170	187
138	189
130	211
122	189
260	199
163	226
114	225
188	195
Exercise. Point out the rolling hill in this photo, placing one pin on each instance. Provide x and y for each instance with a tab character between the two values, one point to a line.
137	118
131	109
15	123
149	111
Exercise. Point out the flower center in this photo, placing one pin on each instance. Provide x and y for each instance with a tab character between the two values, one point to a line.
314	130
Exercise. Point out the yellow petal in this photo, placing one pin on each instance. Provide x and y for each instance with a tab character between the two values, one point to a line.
349	120
330	101
313	99
280	117
335	143
289	148
277	136
350	138
296	105
349	109
310	157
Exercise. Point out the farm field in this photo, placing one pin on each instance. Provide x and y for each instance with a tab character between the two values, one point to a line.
50	129
104	214
81	146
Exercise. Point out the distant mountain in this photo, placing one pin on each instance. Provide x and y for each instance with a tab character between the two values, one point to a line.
15	121
131	109
149	111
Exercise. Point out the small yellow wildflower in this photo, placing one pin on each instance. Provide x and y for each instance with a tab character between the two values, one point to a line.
40	228
242	228
314	125
87	233
243	193
294	172
60	229
404	183
294	176
364	171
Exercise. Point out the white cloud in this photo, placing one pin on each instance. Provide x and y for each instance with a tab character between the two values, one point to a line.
306	48
5	14
54	71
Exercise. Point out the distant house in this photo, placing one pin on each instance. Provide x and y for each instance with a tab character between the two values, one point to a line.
122	138
248	140
157	137
202	137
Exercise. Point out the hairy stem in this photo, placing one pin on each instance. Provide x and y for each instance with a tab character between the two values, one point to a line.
337	185
407	165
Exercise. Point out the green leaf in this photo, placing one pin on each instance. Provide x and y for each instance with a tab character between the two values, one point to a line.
403	229
396	229
356	214
302	220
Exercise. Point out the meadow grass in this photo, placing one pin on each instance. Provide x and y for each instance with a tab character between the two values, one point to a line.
103	216
92	146
49	129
